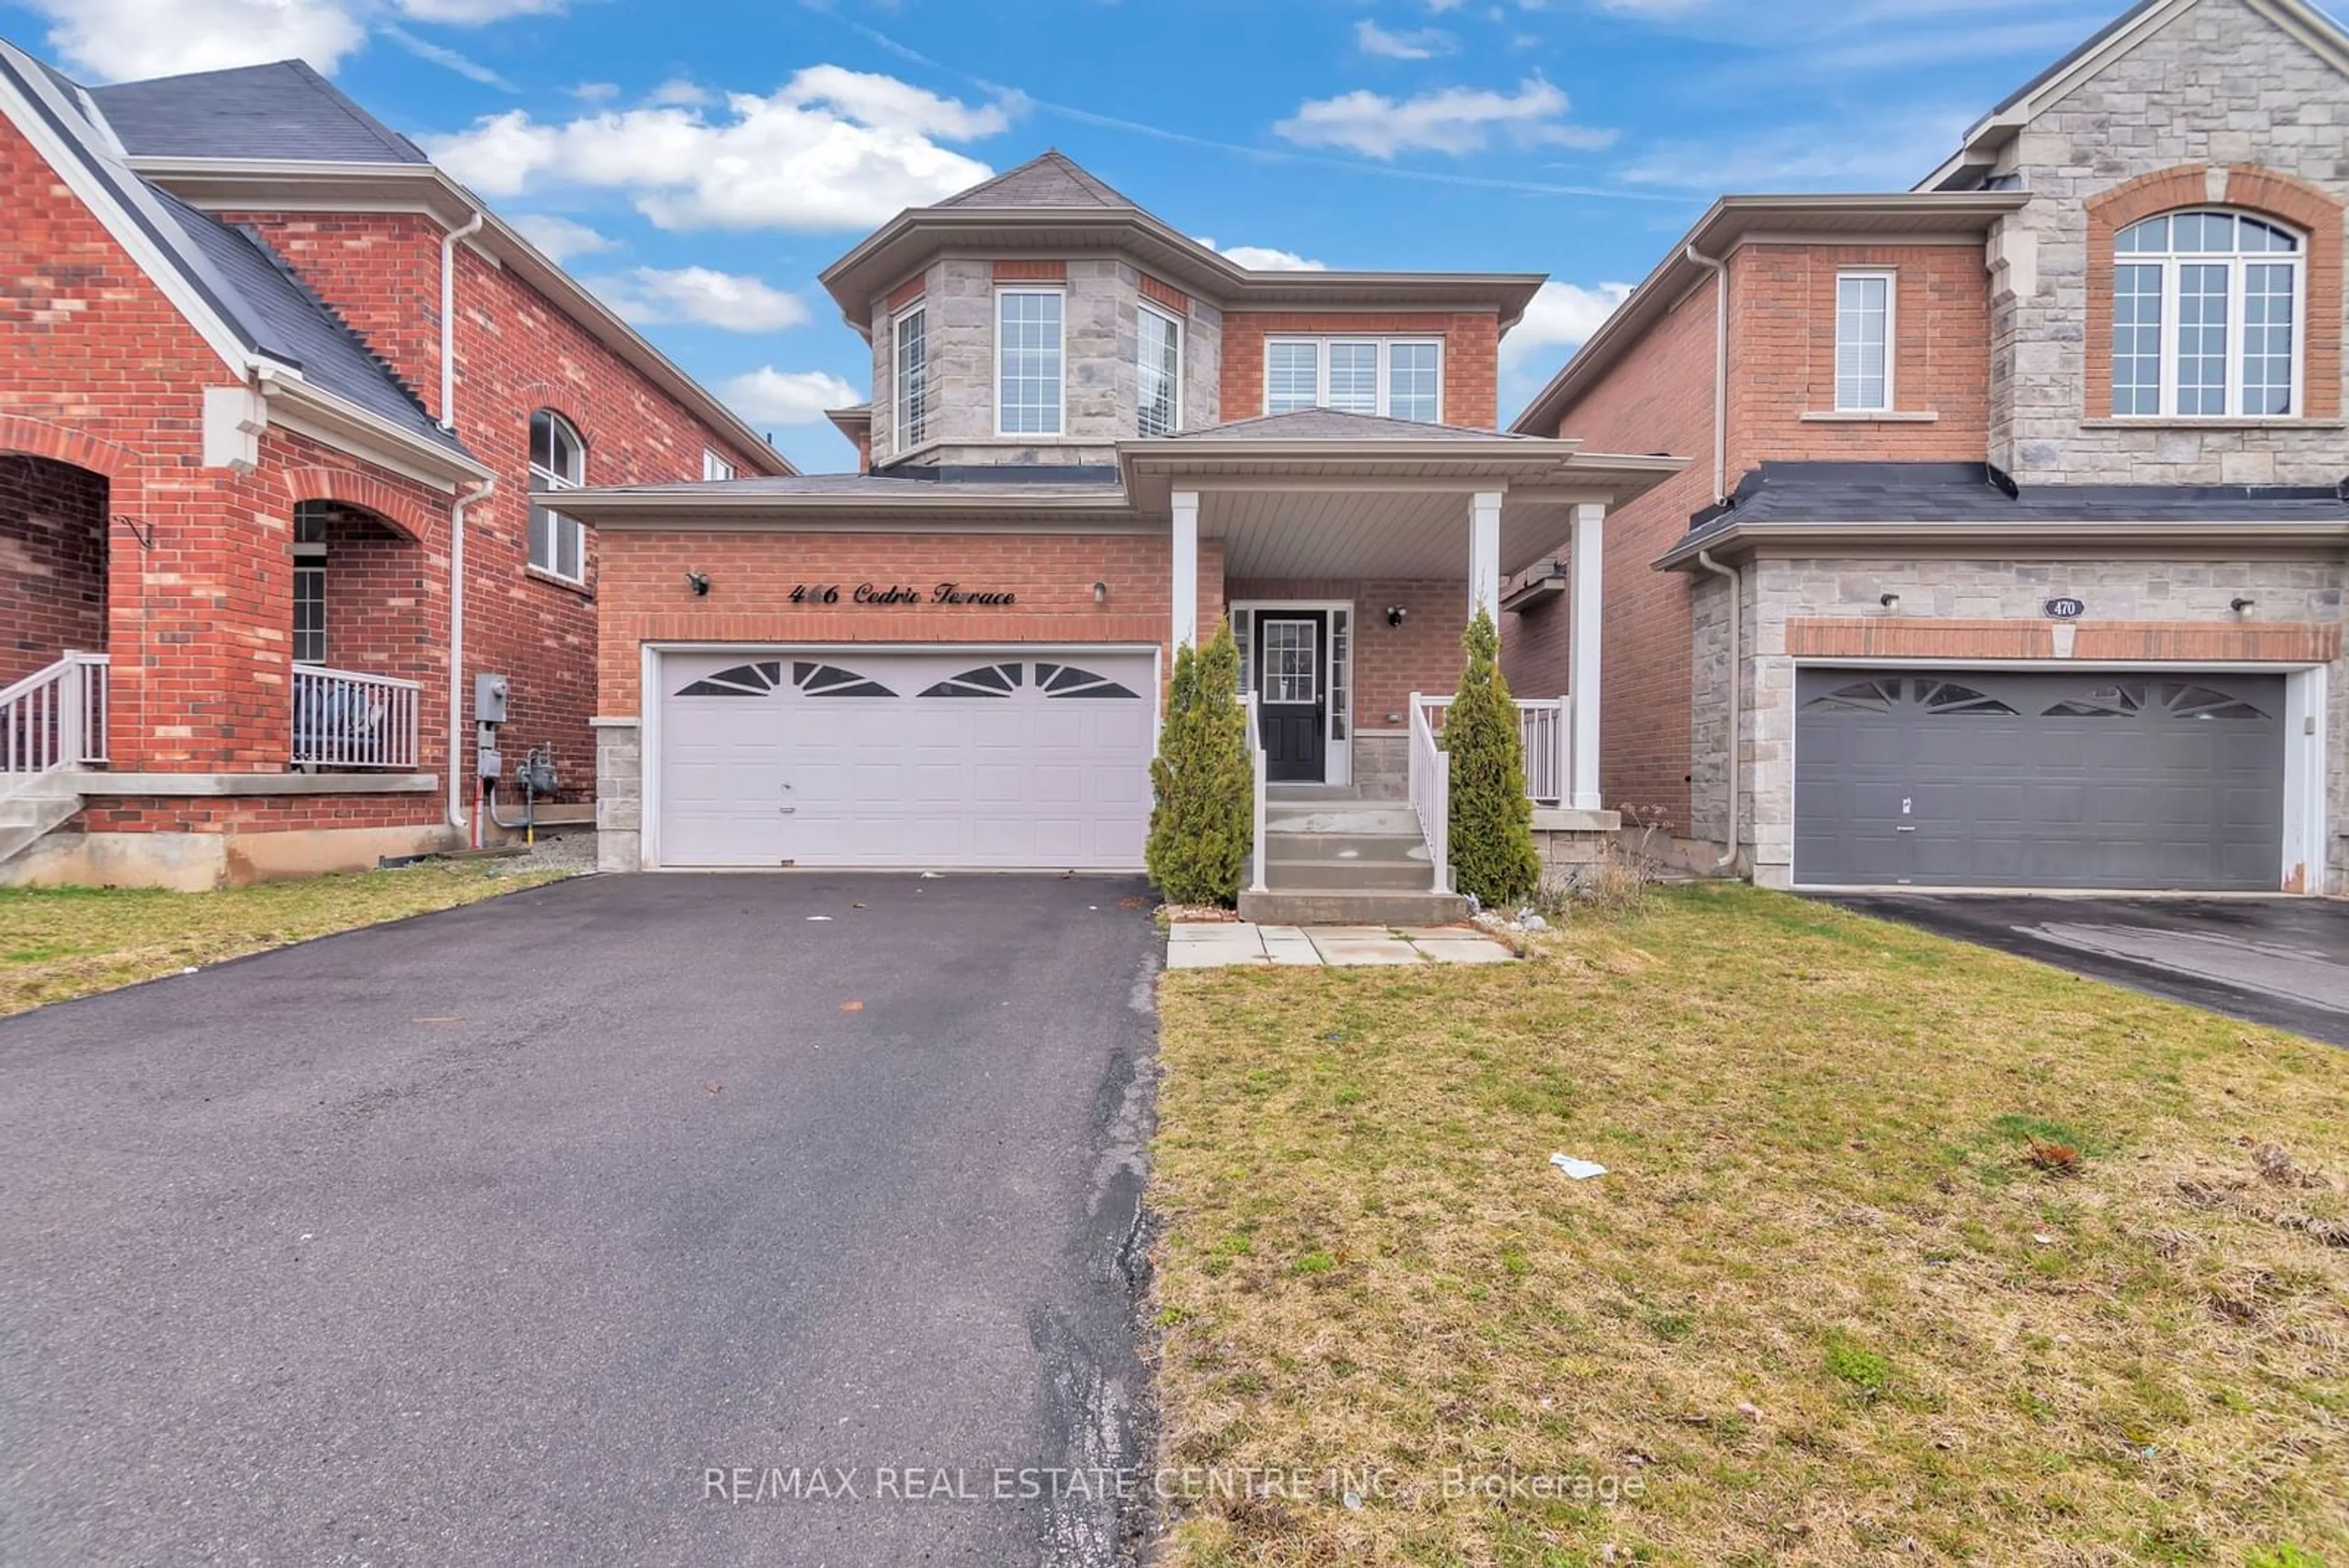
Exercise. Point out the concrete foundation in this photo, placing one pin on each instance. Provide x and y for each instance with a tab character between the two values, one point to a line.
200	862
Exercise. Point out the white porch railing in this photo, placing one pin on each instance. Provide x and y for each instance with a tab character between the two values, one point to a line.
56	717
345	718
1546	731
1256	768
1430	773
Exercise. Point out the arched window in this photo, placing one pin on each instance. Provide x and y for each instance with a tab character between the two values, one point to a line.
2206	308
558	460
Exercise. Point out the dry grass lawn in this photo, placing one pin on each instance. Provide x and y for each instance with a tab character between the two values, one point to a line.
70	941
1909	1253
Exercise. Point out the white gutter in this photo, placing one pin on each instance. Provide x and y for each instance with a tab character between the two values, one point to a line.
470	226
457	510
1736	677
1720	271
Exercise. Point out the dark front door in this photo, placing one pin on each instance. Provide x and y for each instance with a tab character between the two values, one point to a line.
1292	690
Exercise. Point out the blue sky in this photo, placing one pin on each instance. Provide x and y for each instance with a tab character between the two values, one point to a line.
701	163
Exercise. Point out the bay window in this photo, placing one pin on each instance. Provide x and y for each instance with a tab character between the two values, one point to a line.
1027	361
913	374
1157	373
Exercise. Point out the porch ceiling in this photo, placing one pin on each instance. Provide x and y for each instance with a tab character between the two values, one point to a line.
1420	535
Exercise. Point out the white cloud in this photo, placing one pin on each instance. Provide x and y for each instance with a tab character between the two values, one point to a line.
476	12
832	149
122	40
1562	316
1455	120
768	396
679	90
444	56
561	238
1423	44
650	296
595	92
1264	258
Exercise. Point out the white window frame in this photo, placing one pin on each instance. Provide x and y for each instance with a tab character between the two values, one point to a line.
1386	345
310	571
1891	281
714	467
542	478
1060	356
905	435
1144	312
2236	262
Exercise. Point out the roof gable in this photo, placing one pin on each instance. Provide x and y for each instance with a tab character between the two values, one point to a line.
282	112
1048	180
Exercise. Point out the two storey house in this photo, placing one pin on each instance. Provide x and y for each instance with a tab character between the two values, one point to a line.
274	392
1093	439
2013	552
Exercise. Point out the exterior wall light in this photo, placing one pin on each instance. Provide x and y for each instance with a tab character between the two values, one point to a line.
1395	614
1891	602
2240	604
699	583
1100	593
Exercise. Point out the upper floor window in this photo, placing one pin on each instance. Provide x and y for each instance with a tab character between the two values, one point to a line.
1863	342
912	379
1027	361
558	460
714	466
2206	318
1401	378
1157	373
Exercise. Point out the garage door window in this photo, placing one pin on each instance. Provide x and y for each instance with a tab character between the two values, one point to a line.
757	680
1860	697
986	681
1940	697
1068	681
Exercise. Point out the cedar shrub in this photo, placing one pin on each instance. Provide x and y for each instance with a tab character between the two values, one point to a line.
1203	809
1492	855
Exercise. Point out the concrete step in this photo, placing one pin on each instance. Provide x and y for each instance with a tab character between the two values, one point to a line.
1293	845
1342	817
25	818
1349	906
1374	876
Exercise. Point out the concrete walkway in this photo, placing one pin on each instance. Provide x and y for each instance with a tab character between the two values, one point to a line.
1216	944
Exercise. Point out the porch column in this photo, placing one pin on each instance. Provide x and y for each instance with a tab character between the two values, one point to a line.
1185	595
1582	655
1485	555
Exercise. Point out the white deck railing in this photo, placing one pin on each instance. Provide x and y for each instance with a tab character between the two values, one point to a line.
1544	730
1256	768
56	717
345	718
1430	773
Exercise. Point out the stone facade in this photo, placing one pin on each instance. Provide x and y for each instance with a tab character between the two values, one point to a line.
1977	609
619	794
2220	88
1103	299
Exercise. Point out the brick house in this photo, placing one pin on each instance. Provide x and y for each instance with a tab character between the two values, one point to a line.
1093	439
2013	552
274	394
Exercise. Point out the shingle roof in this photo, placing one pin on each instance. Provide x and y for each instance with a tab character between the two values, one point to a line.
1974	492
1336	424
281	112
1050	179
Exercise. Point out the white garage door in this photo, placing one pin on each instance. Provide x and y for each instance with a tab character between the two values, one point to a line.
1006	759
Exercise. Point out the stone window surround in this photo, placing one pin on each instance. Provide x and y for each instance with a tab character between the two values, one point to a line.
2244	188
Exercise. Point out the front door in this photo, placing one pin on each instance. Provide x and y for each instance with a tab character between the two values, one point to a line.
1292	664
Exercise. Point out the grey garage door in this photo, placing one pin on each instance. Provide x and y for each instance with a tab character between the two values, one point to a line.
1973	778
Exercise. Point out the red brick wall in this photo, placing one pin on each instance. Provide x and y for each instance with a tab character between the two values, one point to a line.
52	563
642	594
1471	342
381	273
1782	324
1657	397
1390	662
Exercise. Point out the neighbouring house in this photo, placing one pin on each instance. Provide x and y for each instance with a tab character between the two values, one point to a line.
275	393
1092	440
2014	550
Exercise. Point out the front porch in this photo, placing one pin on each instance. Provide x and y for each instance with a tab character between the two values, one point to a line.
1348	572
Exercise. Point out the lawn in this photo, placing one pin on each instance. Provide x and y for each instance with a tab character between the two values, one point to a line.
69	941
1908	1254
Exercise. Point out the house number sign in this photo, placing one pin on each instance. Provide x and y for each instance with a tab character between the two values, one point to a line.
2066	610
900	594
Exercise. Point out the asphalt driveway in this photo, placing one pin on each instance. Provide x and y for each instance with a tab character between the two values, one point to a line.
563	1229
2278	961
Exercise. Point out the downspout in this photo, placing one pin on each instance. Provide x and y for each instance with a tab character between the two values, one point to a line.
1720	271
1736	677
457	510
